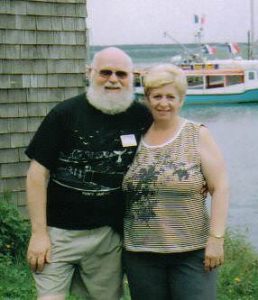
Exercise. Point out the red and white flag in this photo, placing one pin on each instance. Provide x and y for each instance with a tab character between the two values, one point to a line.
233	48
209	50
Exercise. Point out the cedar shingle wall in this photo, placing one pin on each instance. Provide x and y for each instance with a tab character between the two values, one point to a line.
42	59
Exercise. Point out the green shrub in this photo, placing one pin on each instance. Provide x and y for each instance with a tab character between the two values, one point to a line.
238	277
14	232
15	280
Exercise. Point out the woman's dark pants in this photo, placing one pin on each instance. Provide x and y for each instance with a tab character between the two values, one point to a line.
177	276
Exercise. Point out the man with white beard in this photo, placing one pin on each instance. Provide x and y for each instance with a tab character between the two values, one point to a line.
78	158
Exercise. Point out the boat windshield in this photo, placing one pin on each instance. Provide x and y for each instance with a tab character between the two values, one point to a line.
234	79
195	82
215	81
211	81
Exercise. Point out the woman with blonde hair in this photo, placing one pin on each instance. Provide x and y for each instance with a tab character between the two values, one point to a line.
172	245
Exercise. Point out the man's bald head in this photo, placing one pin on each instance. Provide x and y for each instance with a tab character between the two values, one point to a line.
112	57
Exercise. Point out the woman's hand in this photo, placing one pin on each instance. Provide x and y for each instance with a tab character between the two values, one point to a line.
214	253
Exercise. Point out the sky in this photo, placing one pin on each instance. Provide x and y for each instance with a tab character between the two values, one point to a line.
117	22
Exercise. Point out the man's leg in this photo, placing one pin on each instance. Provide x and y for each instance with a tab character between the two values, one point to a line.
95	253
57	297
78	288
55	279
100	268
53	282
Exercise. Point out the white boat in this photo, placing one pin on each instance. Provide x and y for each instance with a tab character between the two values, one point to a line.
216	81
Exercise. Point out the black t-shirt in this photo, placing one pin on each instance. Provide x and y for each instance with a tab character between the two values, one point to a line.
87	153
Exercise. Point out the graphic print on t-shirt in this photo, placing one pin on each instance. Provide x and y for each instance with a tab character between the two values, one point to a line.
95	162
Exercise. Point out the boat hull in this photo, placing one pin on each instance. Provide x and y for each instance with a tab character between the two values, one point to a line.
244	97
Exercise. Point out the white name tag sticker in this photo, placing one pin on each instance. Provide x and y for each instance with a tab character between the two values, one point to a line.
128	140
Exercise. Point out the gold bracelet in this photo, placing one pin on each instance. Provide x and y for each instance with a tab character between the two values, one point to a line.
216	236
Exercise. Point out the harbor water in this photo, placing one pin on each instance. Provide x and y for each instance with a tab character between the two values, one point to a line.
235	128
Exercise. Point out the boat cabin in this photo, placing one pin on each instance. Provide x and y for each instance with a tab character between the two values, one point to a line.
209	76
209	79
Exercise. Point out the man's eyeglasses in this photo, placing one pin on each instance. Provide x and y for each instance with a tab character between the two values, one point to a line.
107	73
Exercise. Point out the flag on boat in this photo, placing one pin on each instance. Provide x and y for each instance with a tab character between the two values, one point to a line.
233	48
199	19
196	19
209	50
203	19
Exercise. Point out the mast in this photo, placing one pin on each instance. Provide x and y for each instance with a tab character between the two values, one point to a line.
251	29
190	55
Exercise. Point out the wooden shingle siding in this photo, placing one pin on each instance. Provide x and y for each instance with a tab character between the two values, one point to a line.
46	8
36	81
42	23
11	170
15	184
42	61
49	52
5	141
27	66
41	37
60	1
9	155
46	67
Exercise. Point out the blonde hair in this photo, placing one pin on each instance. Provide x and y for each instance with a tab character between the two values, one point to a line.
164	74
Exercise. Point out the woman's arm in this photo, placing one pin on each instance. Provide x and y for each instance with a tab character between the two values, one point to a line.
214	170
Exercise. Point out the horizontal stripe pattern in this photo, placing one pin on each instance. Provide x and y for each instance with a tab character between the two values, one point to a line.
165	190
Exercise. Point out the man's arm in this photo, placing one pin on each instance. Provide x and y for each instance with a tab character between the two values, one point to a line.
39	246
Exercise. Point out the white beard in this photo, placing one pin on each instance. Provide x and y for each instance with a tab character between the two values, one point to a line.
109	103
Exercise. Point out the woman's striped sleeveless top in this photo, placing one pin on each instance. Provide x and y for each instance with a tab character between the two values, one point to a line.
166	190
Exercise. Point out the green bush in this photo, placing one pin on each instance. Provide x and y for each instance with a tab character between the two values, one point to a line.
238	277
16	281
14	232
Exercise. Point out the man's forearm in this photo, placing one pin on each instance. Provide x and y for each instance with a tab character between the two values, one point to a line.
37	179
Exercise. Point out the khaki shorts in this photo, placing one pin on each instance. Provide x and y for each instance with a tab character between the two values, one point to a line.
96	256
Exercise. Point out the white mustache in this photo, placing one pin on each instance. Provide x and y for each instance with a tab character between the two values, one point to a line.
108	85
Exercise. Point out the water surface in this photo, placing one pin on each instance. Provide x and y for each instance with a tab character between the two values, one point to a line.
235	128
